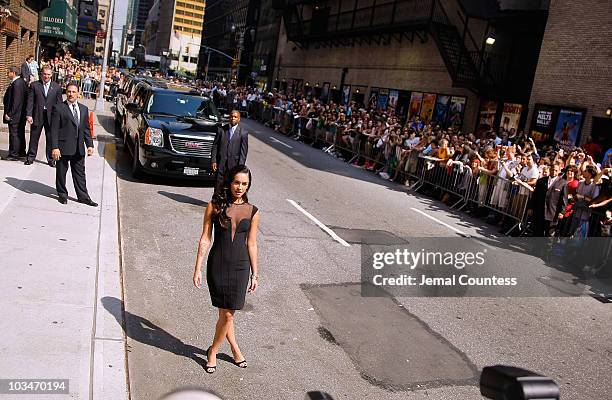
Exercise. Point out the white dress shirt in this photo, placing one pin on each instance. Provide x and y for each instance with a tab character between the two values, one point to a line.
75	106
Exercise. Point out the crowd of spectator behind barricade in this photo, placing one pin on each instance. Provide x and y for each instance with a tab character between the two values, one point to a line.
505	166
68	69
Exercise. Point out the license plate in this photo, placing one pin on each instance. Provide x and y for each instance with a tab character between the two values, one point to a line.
191	171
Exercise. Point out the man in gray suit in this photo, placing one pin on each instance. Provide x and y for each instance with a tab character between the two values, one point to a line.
42	97
230	148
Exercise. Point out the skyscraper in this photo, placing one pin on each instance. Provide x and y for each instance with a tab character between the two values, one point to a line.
175	27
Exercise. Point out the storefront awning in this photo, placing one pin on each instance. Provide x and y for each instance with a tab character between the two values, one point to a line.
59	21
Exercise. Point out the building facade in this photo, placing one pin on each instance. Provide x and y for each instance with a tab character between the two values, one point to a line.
573	85
227	28
18	33
174	29
87	28
442	60
138	11
103	17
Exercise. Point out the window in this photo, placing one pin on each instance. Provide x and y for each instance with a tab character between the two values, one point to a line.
183	104
194	60
185	59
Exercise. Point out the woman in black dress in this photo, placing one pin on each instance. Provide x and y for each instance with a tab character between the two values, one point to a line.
232	259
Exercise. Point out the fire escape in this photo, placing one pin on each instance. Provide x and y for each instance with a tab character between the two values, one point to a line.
312	23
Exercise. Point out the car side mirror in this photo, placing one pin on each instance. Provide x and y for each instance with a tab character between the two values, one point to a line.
133	108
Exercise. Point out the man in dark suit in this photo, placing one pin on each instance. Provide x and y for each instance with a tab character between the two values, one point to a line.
549	201
15	99
69	134
229	148
43	95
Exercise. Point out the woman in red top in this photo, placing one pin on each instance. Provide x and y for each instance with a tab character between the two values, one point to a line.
572	176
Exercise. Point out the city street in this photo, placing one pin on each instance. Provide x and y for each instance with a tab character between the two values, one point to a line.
307	327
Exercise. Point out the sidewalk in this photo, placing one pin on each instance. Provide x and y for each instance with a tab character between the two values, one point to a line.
57	263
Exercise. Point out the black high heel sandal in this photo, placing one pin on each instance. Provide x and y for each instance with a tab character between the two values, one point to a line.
241	364
210	369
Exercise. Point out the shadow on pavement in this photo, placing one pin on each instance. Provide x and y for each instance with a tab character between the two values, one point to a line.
181	198
34	187
144	331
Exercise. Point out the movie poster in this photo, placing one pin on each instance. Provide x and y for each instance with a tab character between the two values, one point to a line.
373	99
456	111
567	132
392	106
511	117
289	90
427	107
488	111
383	98
403	102
543	123
297	86
346	94
415	104
325	92
441	110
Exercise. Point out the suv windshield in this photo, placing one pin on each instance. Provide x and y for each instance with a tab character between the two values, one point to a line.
182	105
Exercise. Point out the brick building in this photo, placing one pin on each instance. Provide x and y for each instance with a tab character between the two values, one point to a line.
575	68
18	33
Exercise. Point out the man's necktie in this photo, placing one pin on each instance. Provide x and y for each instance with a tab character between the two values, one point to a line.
74	112
46	89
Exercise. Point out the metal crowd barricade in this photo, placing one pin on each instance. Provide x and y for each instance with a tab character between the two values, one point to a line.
89	90
501	196
497	194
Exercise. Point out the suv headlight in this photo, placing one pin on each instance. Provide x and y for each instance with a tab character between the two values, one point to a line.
154	137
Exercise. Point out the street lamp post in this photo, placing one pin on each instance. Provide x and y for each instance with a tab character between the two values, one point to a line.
207	64
100	99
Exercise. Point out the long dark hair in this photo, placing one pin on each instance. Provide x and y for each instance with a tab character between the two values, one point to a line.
223	199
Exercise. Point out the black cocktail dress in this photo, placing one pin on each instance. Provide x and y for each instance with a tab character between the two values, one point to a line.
228	267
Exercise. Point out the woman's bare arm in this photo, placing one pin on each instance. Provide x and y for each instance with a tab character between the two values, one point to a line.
203	245
252	249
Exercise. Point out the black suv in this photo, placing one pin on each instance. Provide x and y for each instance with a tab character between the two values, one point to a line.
170	132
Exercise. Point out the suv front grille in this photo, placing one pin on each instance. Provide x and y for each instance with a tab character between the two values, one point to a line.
192	146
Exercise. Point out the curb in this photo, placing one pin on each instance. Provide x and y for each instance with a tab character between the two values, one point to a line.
109	357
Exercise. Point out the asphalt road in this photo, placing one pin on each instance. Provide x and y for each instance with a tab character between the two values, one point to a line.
308	327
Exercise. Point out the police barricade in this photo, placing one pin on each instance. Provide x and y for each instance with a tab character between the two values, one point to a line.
509	198
89	89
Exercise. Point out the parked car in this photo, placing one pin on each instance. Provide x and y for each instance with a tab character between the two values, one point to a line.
126	92
124	96
170	132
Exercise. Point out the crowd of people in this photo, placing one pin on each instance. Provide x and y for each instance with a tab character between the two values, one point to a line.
505	175
67	69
